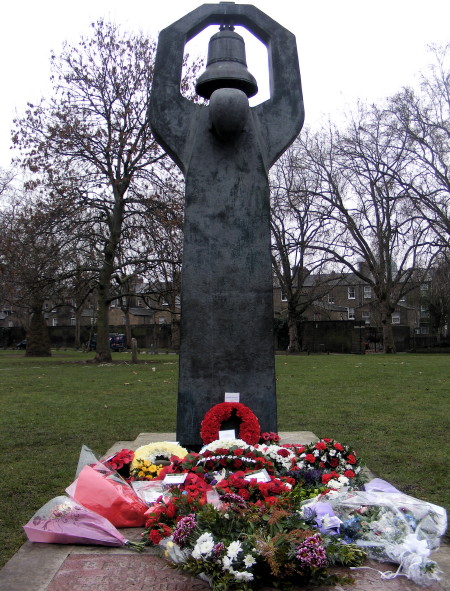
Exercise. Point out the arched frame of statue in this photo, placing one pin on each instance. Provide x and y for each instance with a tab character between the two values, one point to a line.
225	151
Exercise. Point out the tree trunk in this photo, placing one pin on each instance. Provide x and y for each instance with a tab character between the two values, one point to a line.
388	333
38	340
293	346
103	354
77	331
175	334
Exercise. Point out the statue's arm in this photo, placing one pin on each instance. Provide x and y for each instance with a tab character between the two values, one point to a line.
170	114
282	116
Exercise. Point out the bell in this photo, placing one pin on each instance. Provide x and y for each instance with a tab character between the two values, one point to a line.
226	66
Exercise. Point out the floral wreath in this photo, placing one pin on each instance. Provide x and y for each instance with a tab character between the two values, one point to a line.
249	429
152	451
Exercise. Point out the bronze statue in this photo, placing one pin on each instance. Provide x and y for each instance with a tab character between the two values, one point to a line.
225	150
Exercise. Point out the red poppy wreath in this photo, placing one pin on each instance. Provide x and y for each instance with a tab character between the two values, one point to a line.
249	429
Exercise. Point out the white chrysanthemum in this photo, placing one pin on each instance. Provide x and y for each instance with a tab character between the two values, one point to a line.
162	449
249	560
226	562
242	575
226	444
203	546
233	549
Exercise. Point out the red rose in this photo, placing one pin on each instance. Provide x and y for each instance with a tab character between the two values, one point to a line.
237	463
351	459
338	446
334	462
155	536
310	458
283	452
327	439
349	474
238	452
321	445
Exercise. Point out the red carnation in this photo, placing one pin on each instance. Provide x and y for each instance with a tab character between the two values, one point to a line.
338	446
334	462
329	476
238	452
351	459
321	445
310	458
349	474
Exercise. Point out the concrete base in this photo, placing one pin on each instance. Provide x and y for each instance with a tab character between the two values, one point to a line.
53	567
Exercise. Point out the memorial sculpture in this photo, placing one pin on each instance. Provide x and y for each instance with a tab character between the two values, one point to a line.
225	150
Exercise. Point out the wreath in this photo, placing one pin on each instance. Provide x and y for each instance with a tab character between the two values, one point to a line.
157	453
249	429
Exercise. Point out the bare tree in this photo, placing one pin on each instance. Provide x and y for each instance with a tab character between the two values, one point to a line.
296	224
35	256
357	176
424	116
91	143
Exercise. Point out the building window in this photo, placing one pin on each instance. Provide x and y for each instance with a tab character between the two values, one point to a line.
283	296
365	317
351	313
161	320
351	293
367	292
424	330
330	298
73	321
396	318
424	312
54	322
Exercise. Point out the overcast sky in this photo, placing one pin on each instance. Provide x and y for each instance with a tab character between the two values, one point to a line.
348	49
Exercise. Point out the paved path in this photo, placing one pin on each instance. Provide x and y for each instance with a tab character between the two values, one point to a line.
52	567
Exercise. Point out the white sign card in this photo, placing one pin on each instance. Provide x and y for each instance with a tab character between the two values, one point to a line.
174	478
227	435
261	476
232	396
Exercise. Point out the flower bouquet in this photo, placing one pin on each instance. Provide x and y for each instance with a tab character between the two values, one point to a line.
64	521
392	526
330	459
106	493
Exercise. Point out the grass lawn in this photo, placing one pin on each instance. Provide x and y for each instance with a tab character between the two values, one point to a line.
393	409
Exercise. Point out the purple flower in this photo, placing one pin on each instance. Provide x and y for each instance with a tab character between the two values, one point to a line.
218	550
184	527
233	499
311	553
